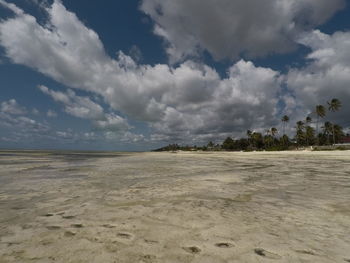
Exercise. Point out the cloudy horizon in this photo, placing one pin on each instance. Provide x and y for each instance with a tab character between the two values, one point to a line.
138	75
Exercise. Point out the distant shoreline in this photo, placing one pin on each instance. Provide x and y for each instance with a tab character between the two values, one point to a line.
69	150
103	153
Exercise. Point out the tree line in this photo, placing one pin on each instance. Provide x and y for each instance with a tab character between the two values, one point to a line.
306	135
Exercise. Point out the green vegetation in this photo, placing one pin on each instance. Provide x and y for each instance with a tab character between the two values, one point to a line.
305	135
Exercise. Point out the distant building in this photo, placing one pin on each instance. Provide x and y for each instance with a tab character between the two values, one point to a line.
345	140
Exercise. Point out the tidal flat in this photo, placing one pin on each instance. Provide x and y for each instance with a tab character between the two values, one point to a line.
174	207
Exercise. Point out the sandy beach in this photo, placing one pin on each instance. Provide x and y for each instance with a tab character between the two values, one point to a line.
175	207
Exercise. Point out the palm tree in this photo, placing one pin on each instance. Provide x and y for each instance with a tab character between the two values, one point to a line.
300	125
309	135
327	129
273	131
284	140
249	135
266	137
338	131
300	136
257	139
285	119
268	141
308	130
320	112
333	106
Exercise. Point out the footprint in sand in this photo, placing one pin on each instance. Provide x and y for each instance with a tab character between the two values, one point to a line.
48	215
192	250
264	253
69	234
68	217
108	226
243	198
152	242
148	258
53	227
77	225
305	251
224	245
124	235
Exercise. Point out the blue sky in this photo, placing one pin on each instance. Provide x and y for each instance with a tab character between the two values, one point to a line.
135	75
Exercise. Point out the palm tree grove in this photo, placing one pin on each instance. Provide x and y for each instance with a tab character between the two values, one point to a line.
314	131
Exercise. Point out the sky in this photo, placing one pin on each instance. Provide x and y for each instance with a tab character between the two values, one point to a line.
138	74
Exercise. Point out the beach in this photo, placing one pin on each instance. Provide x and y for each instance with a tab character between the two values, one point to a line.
175	207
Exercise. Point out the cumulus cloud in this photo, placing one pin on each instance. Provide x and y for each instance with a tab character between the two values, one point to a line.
78	106
127	137
188	101
135	53
35	111
51	114
12	107
23	123
246	98
85	108
16	125
326	76
64	41
112	122
16	128
227	29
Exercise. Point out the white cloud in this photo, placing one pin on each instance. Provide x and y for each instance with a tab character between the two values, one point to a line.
246	98
188	101
12	7
85	108
135	53
51	114
22	123
35	111
12	107
112	122
64	41
327	74
126	137
17	129
229	28
78	106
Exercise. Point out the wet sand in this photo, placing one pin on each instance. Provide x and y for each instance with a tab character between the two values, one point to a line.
175	207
